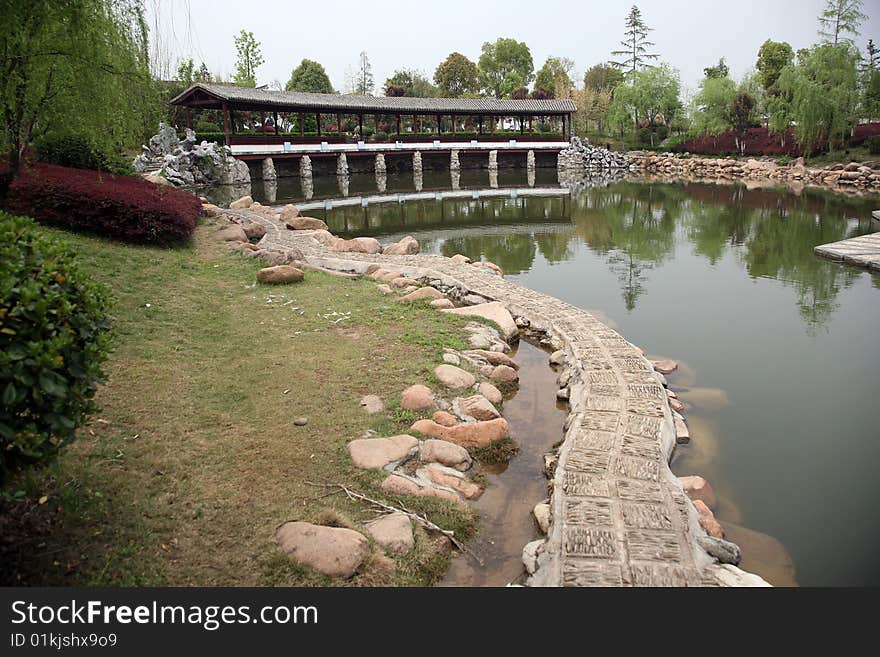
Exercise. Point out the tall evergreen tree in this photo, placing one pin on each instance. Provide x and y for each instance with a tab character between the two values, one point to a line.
840	17
635	53
363	83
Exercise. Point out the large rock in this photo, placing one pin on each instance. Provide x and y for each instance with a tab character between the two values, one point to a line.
393	532
372	404
417	398
374	453
254	231
334	551
493	357
242	203
698	488
493	311
232	233
369	245
708	521
504	374
542	516
665	366
289	212
444	418
422	294
445	453
407	246
303	223
397	485
450	478
454	377
476	434
491	393
479	408
442	304
404	282
280	274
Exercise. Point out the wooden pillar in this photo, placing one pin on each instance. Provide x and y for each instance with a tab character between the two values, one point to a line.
302	124
275	118
530	123
522	125
480	123
375	123
439	125
398	124
318	121
262	123
361	126
339	124
189	118
452	116
226	123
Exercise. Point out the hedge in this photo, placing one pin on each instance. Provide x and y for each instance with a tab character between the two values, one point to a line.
54	337
125	208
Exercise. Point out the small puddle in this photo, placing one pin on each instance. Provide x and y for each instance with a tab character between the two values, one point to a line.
512	490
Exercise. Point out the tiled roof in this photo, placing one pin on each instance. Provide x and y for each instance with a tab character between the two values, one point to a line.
297	100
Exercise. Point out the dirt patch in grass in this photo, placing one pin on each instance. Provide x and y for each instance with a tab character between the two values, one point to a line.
194	459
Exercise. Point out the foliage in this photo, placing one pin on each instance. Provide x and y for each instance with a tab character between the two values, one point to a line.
520	93
457	76
873	144
504	66
713	106
592	109
818	95
311	77
120	207
772	58
635	44
602	77
189	74
77	151
82	61
53	340
411	83
363	80
720	70
555	76
840	17
249	58
646	96
752	142
870	82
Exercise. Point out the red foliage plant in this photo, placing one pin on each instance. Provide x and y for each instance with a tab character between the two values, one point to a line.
862	132
758	141
125	208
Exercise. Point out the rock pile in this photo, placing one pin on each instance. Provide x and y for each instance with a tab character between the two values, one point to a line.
580	156
184	163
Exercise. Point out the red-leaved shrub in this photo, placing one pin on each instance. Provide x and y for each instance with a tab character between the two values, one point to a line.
758	141
862	132
120	207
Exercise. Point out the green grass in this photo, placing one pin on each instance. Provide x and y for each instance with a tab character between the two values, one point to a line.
195	459
843	156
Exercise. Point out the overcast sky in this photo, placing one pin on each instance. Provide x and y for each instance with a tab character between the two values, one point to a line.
689	34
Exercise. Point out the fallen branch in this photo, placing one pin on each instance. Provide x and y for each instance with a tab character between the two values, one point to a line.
421	519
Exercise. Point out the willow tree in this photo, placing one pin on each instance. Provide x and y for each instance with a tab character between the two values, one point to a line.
78	66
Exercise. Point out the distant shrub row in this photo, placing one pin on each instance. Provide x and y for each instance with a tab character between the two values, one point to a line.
119	207
78	152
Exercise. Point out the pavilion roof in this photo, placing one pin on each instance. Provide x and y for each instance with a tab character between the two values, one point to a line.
212	96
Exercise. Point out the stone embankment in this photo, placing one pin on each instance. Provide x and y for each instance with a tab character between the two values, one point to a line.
616	515
855	175
582	158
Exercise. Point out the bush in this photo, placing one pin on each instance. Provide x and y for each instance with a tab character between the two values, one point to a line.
78	152
873	144
206	127
380	136
119	207
53	340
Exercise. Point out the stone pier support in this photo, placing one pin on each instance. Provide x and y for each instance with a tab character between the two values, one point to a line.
493	160
417	162
454	164
269	169
380	164
530	161
342	165
305	166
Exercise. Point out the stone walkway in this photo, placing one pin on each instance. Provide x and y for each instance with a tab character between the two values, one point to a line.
619	515
862	251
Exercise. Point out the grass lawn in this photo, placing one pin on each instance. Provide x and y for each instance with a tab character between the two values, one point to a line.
194	460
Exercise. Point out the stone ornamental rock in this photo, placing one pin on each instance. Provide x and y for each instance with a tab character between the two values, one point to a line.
475	434
542	516
450	478
376	453
290	212
342	165
581	157
422	294
305	167
442	304
304	223
393	532
504	374
707	520
665	366
381	168
280	274
232	233
454	377
333	551
254	231
407	246
479	408
491	393
242	204
444	419
417	398
397	485
269	169
493	357
445	453
495	312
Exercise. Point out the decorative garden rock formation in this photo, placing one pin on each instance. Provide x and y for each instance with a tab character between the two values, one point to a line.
185	162
581	157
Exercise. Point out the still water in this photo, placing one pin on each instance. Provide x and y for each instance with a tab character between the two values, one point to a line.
778	349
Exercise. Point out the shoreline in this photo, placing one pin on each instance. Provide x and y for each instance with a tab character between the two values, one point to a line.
618	514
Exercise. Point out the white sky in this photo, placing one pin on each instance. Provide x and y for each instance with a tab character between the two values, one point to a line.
689	34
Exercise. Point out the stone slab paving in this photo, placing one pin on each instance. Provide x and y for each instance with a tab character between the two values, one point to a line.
619	515
862	251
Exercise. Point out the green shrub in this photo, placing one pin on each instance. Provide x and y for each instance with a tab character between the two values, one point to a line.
77	152
873	144
380	136
53	340
207	126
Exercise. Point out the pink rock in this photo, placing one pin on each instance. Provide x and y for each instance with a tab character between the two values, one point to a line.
505	374
493	357
468	489
477	434
708	521
444	419
407	246
480	408
417	398
698	488
397	485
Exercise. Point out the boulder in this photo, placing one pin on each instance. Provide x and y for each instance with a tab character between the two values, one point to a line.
504	374
384	289
723	551
442	304
303	223
282	256
557	357
454	377
443	476
242	203
445	453
665	366
290	212
370	453
393	532
280	274
698	488
232	233
459	258
158	179
675	404
452	359
479	408
682	435
372	404
211	210
417	398
491	393
368	245
542	516
707	520
254	231
404	282
493	357
444	419
422	294
476	434
333	551
407	246
493	311
397	485
390	276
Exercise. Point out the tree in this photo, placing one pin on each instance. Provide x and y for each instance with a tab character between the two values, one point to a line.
457	76
79	66
203	74
635	44
555	75
504	66
363	80
602	77
186	71
249	59
646	96
870	82
411	83
772	58
720	70
310	77
840	17
713	106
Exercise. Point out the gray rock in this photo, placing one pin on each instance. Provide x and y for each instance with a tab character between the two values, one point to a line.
530	555
723	551
372	404
542	516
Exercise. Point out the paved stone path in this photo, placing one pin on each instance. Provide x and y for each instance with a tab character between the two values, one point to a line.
863	251
620	517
